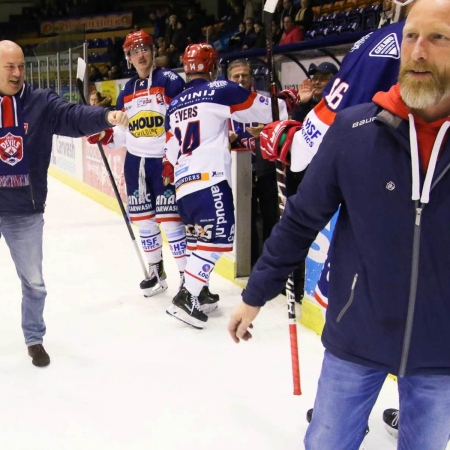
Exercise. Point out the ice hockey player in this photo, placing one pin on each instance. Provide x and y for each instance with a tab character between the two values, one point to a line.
199	163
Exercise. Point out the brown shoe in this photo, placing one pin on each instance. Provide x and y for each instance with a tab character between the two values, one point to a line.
39	355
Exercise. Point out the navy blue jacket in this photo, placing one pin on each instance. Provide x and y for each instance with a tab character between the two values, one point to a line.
46	114
390	255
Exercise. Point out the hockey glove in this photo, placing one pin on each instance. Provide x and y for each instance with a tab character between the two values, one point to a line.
290	96
104	137
167	173
276	139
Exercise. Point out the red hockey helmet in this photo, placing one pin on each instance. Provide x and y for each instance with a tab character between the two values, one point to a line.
137	39
200	58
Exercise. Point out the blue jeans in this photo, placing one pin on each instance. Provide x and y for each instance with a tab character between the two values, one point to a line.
23	235
346	395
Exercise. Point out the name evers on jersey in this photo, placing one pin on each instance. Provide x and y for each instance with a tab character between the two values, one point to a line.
147	124
310	132
220	210
185	114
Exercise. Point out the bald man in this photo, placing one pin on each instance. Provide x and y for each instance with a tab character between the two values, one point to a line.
28	119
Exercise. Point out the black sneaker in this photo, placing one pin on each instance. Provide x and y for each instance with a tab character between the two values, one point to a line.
39	355
185	307
208	301
309	415
156	282
390	419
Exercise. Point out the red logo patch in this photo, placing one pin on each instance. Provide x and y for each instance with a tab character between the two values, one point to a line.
11	149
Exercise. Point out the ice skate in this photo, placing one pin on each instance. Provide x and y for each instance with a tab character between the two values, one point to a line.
186	308
390	419
208	301
156	283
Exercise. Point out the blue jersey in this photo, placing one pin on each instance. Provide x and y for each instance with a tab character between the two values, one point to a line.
372	65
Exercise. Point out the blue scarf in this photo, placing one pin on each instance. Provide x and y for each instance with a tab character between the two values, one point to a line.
14	163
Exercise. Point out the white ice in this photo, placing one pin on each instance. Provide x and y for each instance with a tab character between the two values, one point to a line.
125	375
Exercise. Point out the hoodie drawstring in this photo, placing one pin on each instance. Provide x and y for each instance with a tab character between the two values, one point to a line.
415	167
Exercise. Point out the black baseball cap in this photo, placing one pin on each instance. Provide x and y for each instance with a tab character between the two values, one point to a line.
324	67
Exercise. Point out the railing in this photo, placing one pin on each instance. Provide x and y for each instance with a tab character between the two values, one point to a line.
55	64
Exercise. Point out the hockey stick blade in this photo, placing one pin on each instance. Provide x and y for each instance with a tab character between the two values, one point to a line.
270	6
81	71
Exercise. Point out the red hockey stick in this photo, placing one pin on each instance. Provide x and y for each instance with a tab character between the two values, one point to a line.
269	9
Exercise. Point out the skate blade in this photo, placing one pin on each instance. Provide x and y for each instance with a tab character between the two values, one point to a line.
155	290
179	314
391	431
209	308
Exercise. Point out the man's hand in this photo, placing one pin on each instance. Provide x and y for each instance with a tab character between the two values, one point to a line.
241	320
305	91
117	118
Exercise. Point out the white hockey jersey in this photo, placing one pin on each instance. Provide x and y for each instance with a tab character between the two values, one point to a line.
146	107
197	143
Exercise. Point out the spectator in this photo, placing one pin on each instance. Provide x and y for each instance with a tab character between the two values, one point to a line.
370	254
386	14
115	51
310	91
292	33
236	41
193	27
211	34
260	41
249	36
171	29
288	10
179	39
264	178
114	73
30	118
97	99
173	54
234	19
305	16
94	74
276	32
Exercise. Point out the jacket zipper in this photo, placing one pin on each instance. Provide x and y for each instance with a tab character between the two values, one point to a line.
32	195
350	300
412	293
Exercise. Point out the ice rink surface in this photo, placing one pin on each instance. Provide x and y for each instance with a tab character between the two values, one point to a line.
126	376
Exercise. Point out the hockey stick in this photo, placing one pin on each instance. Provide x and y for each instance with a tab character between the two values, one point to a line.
81	71
269	9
